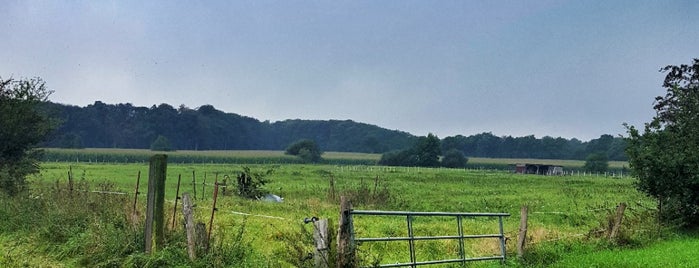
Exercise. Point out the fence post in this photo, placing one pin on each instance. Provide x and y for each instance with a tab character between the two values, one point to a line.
203	185
522	237
187	210
194	185
213	210
617	220
135	197
70	179
177	197
155	202
321	238
345	235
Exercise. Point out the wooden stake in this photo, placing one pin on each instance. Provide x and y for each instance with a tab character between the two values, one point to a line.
177	197
135	196
213	210
321	238
194	185
617	220
187	210
155	202
345	235
522	237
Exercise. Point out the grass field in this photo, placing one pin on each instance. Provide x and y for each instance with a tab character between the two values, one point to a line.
107	155
567	208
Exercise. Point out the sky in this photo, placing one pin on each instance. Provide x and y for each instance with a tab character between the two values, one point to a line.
572	69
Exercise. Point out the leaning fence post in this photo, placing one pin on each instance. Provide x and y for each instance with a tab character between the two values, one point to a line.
345	235
177	197
213	210
155	202
617	220
522	237
135	196
321	238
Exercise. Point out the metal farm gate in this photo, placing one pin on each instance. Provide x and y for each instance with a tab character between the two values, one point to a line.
460	235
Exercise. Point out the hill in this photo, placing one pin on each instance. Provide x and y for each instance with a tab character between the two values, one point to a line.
101	125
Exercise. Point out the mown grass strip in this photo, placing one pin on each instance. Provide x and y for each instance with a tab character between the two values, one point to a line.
680	252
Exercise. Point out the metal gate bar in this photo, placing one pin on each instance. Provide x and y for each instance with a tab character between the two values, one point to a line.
411	238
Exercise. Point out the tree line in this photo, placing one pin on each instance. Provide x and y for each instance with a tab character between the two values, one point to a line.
101	125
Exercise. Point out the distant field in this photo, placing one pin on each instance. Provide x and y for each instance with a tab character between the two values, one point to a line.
269	157
109	155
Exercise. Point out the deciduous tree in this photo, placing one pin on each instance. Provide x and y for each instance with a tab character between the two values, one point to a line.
305	149
454	158
597	162
22	127
665	156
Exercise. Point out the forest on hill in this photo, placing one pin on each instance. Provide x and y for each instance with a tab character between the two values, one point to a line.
101	125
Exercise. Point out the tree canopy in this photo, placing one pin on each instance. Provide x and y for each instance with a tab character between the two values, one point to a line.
24	126
101	125
596	162
664	156
305	149
424	153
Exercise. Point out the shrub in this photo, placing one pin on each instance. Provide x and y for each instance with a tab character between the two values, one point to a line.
305	149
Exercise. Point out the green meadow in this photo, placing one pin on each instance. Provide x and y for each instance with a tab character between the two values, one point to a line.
568	215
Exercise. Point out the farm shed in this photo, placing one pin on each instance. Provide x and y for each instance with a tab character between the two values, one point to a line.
539	169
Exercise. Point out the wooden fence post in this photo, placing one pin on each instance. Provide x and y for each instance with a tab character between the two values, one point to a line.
345	236
321	238
203	185
617	220
177	197
522	237
70	179
135	196
187	210
194	185
155	202
213	211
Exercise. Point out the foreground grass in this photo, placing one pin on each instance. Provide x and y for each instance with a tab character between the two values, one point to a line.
677	252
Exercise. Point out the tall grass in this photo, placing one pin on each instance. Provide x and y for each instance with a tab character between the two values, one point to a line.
83	228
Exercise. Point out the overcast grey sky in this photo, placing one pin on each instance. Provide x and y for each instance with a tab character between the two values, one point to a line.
557	68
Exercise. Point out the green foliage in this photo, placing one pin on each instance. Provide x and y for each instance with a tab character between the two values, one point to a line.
305	149
596	162
101	125
23	126
664	157
427	149
251	183
161	144
70	140
454	158
424	153
488	145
